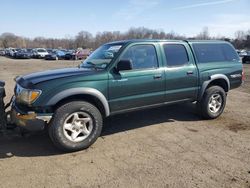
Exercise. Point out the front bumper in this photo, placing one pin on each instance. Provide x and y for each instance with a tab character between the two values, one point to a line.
31	121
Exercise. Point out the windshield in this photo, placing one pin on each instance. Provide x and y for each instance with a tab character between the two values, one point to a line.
102	56
41	50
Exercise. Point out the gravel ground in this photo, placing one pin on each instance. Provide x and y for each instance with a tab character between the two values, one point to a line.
169	147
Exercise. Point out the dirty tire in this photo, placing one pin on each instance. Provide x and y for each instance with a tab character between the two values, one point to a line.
56	127
203	106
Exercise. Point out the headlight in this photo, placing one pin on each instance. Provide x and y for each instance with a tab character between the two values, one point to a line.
27	96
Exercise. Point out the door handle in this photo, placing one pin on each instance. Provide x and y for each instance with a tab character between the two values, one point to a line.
158	76
190	72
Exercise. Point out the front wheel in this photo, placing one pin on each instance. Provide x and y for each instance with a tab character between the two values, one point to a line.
213	102
75	126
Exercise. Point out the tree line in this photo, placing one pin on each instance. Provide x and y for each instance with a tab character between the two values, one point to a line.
85	39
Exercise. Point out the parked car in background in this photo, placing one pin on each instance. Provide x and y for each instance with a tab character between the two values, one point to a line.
30	50
7	52
2	52
70	55
245	56
12	52
39	53
50	50
23	54
55	55
82	54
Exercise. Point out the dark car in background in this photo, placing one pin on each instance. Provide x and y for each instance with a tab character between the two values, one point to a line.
55	55
245	57
70	55
23	54
50	50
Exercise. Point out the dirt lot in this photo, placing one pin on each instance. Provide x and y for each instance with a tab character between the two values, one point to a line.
163	147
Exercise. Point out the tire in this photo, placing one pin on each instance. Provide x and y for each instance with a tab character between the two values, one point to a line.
64	126
209	107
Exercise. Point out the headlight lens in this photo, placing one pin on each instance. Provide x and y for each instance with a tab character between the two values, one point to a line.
28	95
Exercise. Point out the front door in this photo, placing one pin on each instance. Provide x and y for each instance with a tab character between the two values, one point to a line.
143	85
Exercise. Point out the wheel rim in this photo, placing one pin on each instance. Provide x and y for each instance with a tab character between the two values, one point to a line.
215	103
78	126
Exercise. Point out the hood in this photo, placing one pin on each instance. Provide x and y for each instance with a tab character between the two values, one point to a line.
31	79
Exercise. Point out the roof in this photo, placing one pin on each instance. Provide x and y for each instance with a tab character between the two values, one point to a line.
206	41
164	40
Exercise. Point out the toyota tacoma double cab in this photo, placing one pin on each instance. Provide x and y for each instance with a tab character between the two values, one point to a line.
123	76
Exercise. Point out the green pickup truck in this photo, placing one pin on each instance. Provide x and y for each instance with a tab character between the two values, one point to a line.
124	76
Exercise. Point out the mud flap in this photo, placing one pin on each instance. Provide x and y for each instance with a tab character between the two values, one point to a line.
3	120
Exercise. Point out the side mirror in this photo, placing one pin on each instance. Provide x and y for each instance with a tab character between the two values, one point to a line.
123	65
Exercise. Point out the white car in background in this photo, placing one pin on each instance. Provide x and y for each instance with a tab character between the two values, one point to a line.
2	52
40	52
12	52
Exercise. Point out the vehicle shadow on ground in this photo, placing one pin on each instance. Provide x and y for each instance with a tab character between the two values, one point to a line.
39	144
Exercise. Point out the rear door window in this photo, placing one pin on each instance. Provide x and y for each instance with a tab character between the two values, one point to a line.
206	53
176	55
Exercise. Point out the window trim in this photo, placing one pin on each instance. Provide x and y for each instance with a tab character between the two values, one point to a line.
165	55
141	69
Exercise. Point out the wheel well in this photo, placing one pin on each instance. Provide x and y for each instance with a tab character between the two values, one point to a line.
84	97
219	82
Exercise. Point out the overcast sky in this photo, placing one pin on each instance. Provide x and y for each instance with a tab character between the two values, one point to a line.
65	18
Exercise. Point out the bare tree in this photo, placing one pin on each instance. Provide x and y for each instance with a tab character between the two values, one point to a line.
84	39
9	40
240	35
204	34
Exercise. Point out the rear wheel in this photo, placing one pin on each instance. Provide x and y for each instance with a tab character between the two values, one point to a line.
213	102
75	126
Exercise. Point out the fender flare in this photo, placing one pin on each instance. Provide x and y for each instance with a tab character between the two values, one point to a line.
78	91
212	78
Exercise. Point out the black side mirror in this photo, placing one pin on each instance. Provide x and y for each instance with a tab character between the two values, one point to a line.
124	65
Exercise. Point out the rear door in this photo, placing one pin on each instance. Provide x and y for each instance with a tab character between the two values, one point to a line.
181	73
